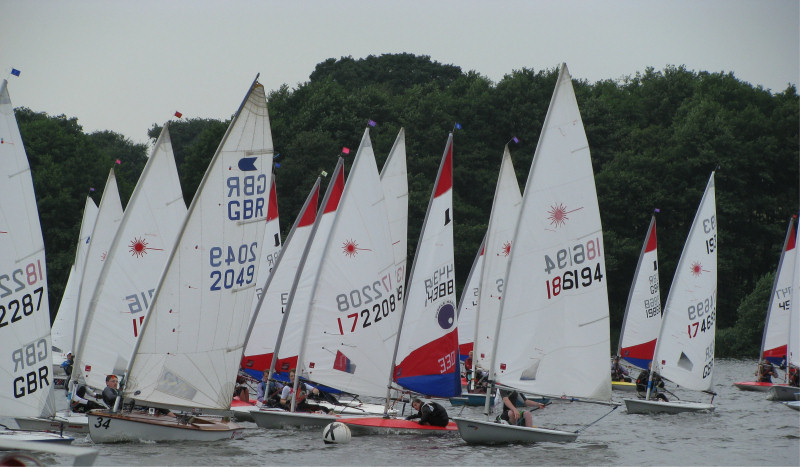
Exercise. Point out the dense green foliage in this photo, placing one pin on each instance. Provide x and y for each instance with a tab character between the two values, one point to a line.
655	137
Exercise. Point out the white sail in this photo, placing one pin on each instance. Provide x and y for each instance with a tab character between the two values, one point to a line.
777	325
63	330
354	313
260	346
25	375
642	320
426	358
685	348
271	245
793	345
136	257
290	340
109	215
554	314
394	177
468	305
499	235
192	339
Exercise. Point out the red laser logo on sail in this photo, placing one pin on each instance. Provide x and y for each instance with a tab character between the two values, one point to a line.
558	215
350	248
697	269
138	247
506	250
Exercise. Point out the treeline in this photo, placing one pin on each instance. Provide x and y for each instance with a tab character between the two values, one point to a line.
654	137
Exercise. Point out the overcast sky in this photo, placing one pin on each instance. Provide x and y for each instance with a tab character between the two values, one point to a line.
123	65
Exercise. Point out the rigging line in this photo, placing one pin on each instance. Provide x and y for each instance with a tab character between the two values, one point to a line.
604	416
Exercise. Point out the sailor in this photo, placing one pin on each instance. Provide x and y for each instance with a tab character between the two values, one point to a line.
429	413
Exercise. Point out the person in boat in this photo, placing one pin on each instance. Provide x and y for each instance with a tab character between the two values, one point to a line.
80	402
242	392
619	372
302	404
268	392
111	391
429	413
658	383
794	376
468	367
766	371
67	366
511	413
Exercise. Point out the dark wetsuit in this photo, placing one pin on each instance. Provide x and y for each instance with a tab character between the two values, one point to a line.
109	396
431	413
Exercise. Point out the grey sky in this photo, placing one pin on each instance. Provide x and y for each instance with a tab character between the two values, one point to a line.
124	65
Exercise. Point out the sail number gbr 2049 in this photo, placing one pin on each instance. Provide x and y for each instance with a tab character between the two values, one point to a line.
573	267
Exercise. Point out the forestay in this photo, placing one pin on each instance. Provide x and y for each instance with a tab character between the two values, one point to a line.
192	339
26	378
685	348
642	320
134	262
426	358
354	312
554	314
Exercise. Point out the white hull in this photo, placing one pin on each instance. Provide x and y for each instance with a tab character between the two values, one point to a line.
355	408
793	405
242	414
277	418
63	421
106	427
34	436
642	406
490	432
782	393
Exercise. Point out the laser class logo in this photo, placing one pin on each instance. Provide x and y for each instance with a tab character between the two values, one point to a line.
558	215
350	248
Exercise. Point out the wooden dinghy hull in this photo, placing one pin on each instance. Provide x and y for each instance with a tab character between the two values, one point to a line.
277	418
108	427
642	406
379	425
489	432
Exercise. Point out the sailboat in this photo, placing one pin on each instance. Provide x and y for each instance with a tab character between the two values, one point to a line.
791	391
295	306
26	371
555	303
642	319
684	352
63	330
776	327
425	355
191	340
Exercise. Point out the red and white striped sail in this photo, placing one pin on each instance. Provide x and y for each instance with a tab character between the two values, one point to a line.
269	312
499	236
685	348
25	372
136	257
642	320
554	314
290	339
776	329
427	351
355	311
192	339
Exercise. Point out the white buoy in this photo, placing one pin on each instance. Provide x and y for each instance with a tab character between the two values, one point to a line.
336	433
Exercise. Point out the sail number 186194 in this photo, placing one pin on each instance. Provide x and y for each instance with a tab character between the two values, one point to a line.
578	273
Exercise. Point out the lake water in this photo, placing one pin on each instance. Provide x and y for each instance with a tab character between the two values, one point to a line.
745	429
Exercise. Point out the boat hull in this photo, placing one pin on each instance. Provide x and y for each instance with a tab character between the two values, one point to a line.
379	425
793	405
623	386
782	393
755	386
34	436
489	432
107	427
277	418
73	423
642	406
